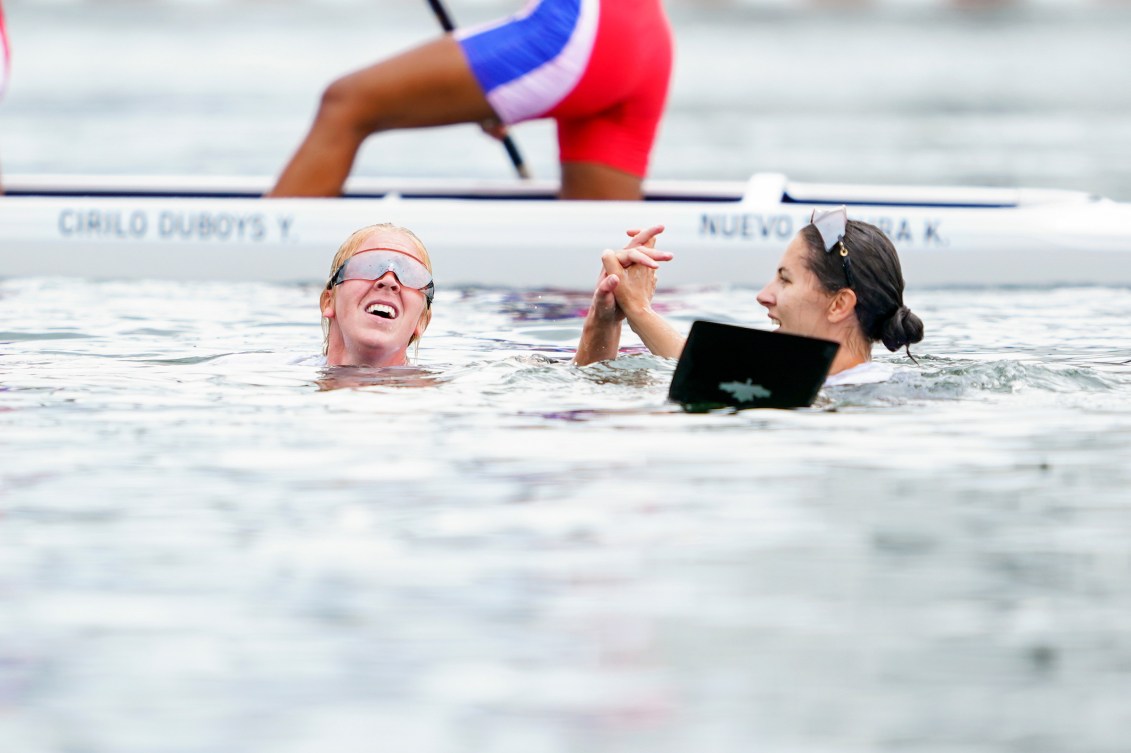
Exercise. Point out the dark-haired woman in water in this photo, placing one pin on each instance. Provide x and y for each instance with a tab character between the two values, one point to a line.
838	279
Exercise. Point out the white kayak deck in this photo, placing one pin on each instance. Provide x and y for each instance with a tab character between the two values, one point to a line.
516	234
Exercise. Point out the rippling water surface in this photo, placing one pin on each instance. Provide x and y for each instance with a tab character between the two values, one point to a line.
208	545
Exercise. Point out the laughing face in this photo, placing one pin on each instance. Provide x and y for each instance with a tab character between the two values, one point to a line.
794	298
372	322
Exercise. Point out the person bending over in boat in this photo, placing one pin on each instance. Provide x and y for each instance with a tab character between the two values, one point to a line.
378	299
838	279
599	68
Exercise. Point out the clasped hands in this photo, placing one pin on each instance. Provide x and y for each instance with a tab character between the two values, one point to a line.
628	277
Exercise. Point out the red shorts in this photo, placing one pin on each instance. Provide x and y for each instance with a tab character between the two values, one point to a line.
600	68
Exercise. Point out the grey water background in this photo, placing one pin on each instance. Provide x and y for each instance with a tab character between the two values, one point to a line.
1031	93
208	544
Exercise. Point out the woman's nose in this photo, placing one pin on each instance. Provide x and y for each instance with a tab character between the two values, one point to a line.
765	297
388	280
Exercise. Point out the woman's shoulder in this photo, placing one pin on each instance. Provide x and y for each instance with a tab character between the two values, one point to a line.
869	372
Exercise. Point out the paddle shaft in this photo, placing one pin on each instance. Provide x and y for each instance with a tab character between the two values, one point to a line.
448	25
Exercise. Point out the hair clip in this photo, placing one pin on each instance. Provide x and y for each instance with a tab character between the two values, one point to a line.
832	225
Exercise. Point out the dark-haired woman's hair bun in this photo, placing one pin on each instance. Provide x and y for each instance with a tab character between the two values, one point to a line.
903	328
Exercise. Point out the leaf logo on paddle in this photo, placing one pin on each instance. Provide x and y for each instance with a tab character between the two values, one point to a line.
744	392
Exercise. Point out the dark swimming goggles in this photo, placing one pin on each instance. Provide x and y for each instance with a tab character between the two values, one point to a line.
373	263
832	225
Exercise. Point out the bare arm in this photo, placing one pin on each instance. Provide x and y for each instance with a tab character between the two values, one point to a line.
600	336
660	337
634	296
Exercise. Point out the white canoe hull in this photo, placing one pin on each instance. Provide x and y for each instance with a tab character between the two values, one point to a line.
517	235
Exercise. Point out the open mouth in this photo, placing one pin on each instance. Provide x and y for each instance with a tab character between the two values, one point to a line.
382	310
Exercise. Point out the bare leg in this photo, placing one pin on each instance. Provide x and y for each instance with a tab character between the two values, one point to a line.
589	180
429	85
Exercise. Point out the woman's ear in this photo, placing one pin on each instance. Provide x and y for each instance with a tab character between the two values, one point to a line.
842	305
326	303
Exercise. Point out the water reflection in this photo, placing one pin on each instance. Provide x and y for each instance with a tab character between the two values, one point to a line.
358	377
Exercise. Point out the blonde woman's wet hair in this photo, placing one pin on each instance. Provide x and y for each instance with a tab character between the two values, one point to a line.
351	246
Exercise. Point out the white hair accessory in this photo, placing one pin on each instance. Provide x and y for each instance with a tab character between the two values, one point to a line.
831	224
